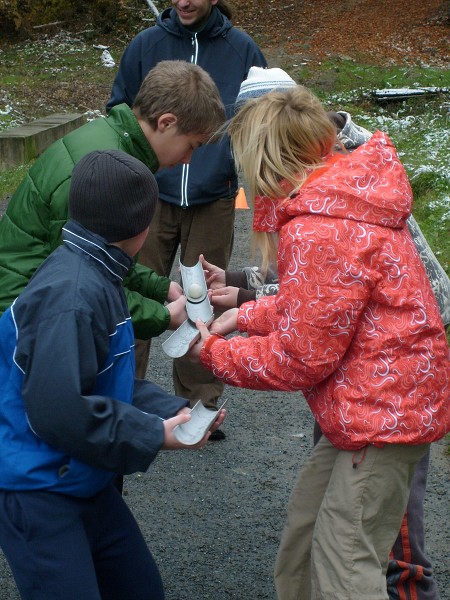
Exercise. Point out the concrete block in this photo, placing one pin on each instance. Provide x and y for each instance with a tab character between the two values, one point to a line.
21	144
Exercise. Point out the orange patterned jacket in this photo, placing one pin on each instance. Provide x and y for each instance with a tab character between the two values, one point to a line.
355	324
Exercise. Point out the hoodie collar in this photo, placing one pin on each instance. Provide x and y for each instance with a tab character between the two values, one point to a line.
368	185
217	24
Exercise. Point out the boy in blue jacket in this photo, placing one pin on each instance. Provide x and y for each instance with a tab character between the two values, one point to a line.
72	415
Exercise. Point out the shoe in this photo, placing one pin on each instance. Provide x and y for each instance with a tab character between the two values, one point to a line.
352	135
217	436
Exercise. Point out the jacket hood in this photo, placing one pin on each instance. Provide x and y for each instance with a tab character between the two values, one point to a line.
368	185
217	24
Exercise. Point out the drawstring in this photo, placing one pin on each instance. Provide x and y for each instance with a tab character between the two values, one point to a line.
355	462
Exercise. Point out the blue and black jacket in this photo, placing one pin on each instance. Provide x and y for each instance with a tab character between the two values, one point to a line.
226	53
71	413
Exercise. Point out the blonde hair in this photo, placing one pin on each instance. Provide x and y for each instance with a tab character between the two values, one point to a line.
185	90
277	139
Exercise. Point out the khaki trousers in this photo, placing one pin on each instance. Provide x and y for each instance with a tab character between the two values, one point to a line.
205	229
343	521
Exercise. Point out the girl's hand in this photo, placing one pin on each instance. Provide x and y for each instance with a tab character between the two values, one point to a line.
214	276
194	352
226	323
224	298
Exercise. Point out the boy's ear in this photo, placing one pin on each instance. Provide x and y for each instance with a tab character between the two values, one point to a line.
166	120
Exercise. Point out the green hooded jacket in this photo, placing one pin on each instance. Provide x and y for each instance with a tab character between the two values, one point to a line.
31	226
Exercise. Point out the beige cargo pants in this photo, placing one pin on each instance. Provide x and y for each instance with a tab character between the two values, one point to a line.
344	515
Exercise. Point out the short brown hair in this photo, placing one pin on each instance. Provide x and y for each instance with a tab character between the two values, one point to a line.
185	90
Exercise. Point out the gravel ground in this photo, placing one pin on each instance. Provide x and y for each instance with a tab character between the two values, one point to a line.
213	518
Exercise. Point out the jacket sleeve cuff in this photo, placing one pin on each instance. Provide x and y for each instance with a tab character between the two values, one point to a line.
205	352
236	279
245	296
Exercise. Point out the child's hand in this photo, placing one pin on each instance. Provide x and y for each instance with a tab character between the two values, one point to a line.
175	291
224	298
177	310
183	416
194	352
214	276
226	323
219	421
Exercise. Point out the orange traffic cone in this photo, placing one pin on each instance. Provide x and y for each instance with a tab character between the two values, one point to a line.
241	200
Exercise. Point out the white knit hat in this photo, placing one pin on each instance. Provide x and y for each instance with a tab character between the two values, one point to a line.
262	81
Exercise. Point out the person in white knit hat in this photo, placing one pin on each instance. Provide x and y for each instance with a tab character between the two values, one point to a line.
259	81
262	81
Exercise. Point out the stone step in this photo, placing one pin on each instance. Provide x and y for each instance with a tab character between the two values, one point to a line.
21	144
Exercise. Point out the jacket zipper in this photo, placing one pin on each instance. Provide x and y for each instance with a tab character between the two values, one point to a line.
185	171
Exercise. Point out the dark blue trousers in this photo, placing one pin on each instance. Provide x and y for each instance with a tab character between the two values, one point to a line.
410	572
61	547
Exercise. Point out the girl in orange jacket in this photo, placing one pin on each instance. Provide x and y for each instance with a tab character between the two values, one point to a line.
355	326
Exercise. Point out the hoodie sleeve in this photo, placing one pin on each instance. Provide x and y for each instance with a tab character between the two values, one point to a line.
129	75
100	431
297	338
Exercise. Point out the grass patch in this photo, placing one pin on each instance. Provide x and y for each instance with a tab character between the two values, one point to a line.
9	180
348	76
428	188
53	74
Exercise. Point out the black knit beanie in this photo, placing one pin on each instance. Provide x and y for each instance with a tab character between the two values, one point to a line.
112	194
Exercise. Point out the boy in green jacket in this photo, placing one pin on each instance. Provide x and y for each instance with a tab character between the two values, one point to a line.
177	109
